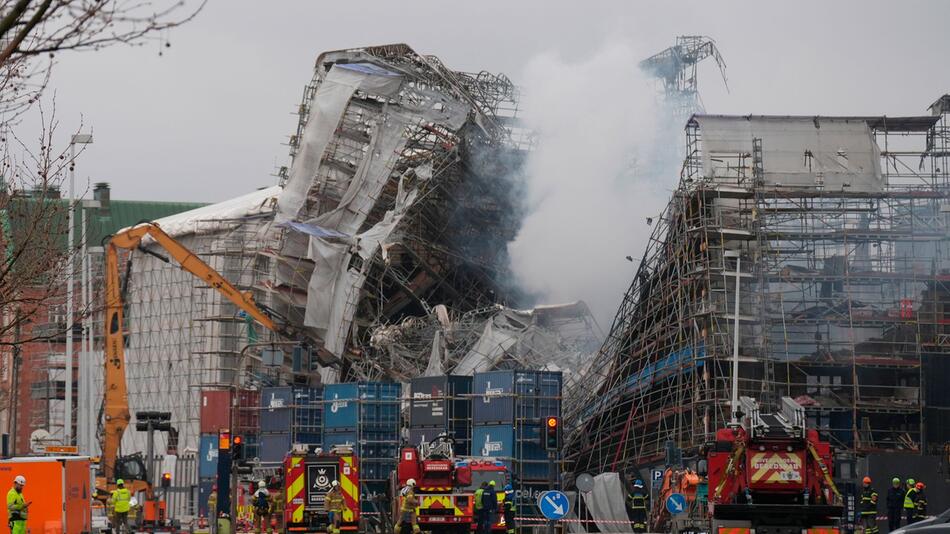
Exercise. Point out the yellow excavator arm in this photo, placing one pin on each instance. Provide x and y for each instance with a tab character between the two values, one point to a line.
116	400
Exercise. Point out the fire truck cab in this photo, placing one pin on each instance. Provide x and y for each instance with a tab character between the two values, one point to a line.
445	485
307	479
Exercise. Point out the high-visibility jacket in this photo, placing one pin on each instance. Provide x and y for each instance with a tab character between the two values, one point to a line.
16	503
333	502
478	499
121	500
638	500
868	501
910	499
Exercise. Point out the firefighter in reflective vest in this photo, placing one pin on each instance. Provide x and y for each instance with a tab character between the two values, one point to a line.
509	509
910	500
478	506
639	501
869	508
921	505
333	504
407	509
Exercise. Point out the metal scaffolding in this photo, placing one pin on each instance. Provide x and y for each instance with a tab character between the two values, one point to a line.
825	240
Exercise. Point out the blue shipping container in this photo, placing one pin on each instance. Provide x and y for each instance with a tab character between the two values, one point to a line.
504	441
208	456
504	396
274	447
291	408
362	404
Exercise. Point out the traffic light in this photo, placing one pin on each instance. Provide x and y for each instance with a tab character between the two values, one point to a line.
239	456
166	480
552	433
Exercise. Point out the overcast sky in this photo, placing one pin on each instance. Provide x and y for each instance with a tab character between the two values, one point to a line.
208	120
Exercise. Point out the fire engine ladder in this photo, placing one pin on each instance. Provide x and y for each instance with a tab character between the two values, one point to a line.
788	422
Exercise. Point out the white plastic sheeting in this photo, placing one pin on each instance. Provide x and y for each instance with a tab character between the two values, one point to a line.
214	217
326	111
606	503
796	151
334	285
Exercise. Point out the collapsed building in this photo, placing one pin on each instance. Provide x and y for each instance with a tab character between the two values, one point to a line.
382	248
812	249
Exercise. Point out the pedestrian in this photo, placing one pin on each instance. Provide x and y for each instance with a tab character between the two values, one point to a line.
639	502
869	508
333	504
17	507
910	500
260	501
895	501
407	509
478	506
489	508
509	510
921	504
121	500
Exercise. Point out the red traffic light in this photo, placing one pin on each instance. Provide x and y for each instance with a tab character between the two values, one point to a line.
552	422
237	440
166	476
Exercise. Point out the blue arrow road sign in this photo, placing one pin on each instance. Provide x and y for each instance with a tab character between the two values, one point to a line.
554	505
676	503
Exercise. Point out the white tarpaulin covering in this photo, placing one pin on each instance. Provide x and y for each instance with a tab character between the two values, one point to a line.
334	286
216	216
327	109
796	151
606	503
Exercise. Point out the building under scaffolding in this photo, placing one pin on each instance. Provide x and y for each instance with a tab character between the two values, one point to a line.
825	241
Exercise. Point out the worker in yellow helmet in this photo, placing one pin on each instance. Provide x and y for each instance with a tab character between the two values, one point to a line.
17	506
121	500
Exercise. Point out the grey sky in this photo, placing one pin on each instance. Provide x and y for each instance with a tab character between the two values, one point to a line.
206	121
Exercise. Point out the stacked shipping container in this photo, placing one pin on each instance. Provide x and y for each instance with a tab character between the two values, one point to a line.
508	410
441	405
214	416
289	415
365	415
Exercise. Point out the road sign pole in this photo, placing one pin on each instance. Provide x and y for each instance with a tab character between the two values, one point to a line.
552	480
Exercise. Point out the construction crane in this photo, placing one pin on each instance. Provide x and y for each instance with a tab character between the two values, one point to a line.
115	410
676	68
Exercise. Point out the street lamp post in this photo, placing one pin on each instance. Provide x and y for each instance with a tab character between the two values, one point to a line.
77	139
84	416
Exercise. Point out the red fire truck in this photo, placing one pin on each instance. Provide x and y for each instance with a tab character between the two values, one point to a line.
445	485
770	474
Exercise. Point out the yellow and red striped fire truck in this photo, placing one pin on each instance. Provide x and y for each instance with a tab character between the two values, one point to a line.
446	486
307	479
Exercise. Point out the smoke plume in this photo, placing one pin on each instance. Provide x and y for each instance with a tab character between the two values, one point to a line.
602	166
